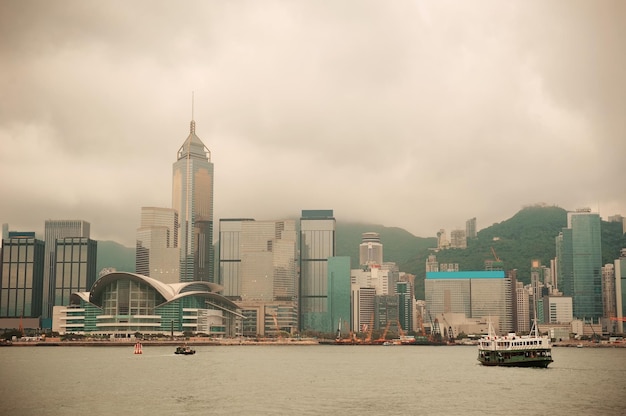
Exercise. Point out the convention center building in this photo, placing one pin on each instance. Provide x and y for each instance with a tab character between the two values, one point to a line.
122	304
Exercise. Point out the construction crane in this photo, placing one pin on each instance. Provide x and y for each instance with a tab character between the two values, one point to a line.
368	338
448	329
278	334
495	255
384	335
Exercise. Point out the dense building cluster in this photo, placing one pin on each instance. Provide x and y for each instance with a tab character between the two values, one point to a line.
283	277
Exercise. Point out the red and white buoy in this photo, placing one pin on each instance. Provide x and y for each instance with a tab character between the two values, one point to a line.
138	349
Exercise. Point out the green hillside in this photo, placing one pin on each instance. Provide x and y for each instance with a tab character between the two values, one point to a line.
115	255
529	234
398	245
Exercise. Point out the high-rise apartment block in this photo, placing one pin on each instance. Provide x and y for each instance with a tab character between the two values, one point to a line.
192	198
317	244
458	239
54	230
608	291
522	311
579	262
620	290
442	240
157	254
470	228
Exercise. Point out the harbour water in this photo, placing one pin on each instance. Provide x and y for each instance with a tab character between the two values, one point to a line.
305	380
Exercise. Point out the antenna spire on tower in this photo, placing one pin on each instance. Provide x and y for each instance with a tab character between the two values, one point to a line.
193	123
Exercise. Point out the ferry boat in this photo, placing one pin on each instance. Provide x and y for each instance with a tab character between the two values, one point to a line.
532	350
184	350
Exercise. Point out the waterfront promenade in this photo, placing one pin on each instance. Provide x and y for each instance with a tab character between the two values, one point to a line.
129	342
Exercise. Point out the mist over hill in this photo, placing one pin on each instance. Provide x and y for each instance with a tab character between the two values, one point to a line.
115	255
529	234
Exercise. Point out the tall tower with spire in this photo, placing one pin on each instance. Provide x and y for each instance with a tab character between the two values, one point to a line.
192	197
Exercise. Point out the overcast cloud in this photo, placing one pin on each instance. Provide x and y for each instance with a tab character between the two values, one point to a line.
413	114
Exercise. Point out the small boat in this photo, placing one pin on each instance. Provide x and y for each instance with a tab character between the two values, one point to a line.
184	350
532	350
138	348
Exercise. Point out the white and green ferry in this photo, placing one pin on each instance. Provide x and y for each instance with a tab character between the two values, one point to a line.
532	350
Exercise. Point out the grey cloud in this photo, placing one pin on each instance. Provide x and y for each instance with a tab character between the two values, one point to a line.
417	114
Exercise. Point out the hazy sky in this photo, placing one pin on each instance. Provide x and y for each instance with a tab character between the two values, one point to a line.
413	114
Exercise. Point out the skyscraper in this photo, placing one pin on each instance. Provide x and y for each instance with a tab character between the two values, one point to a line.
157	253
53	230
192	198
477	294
470	228
74	267
317	244
370	249
579	263
620	290
258	271
21	275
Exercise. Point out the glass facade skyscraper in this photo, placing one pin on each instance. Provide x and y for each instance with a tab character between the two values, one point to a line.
317	244
53	230
157	252
258	270
192	198
75	267
21	276
339	291
579	251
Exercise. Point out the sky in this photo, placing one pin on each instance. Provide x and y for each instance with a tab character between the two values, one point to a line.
411	114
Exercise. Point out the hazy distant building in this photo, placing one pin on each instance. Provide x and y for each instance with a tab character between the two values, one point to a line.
21	275
157	253
470	228
53	230
621	220
432	265
477	294
192	198
579	258
75	267
442	239
458	239
317	244
370	249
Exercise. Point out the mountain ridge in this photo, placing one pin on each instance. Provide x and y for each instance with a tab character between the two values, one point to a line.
529	234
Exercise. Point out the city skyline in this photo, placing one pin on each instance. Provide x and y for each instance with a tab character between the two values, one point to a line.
453	111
